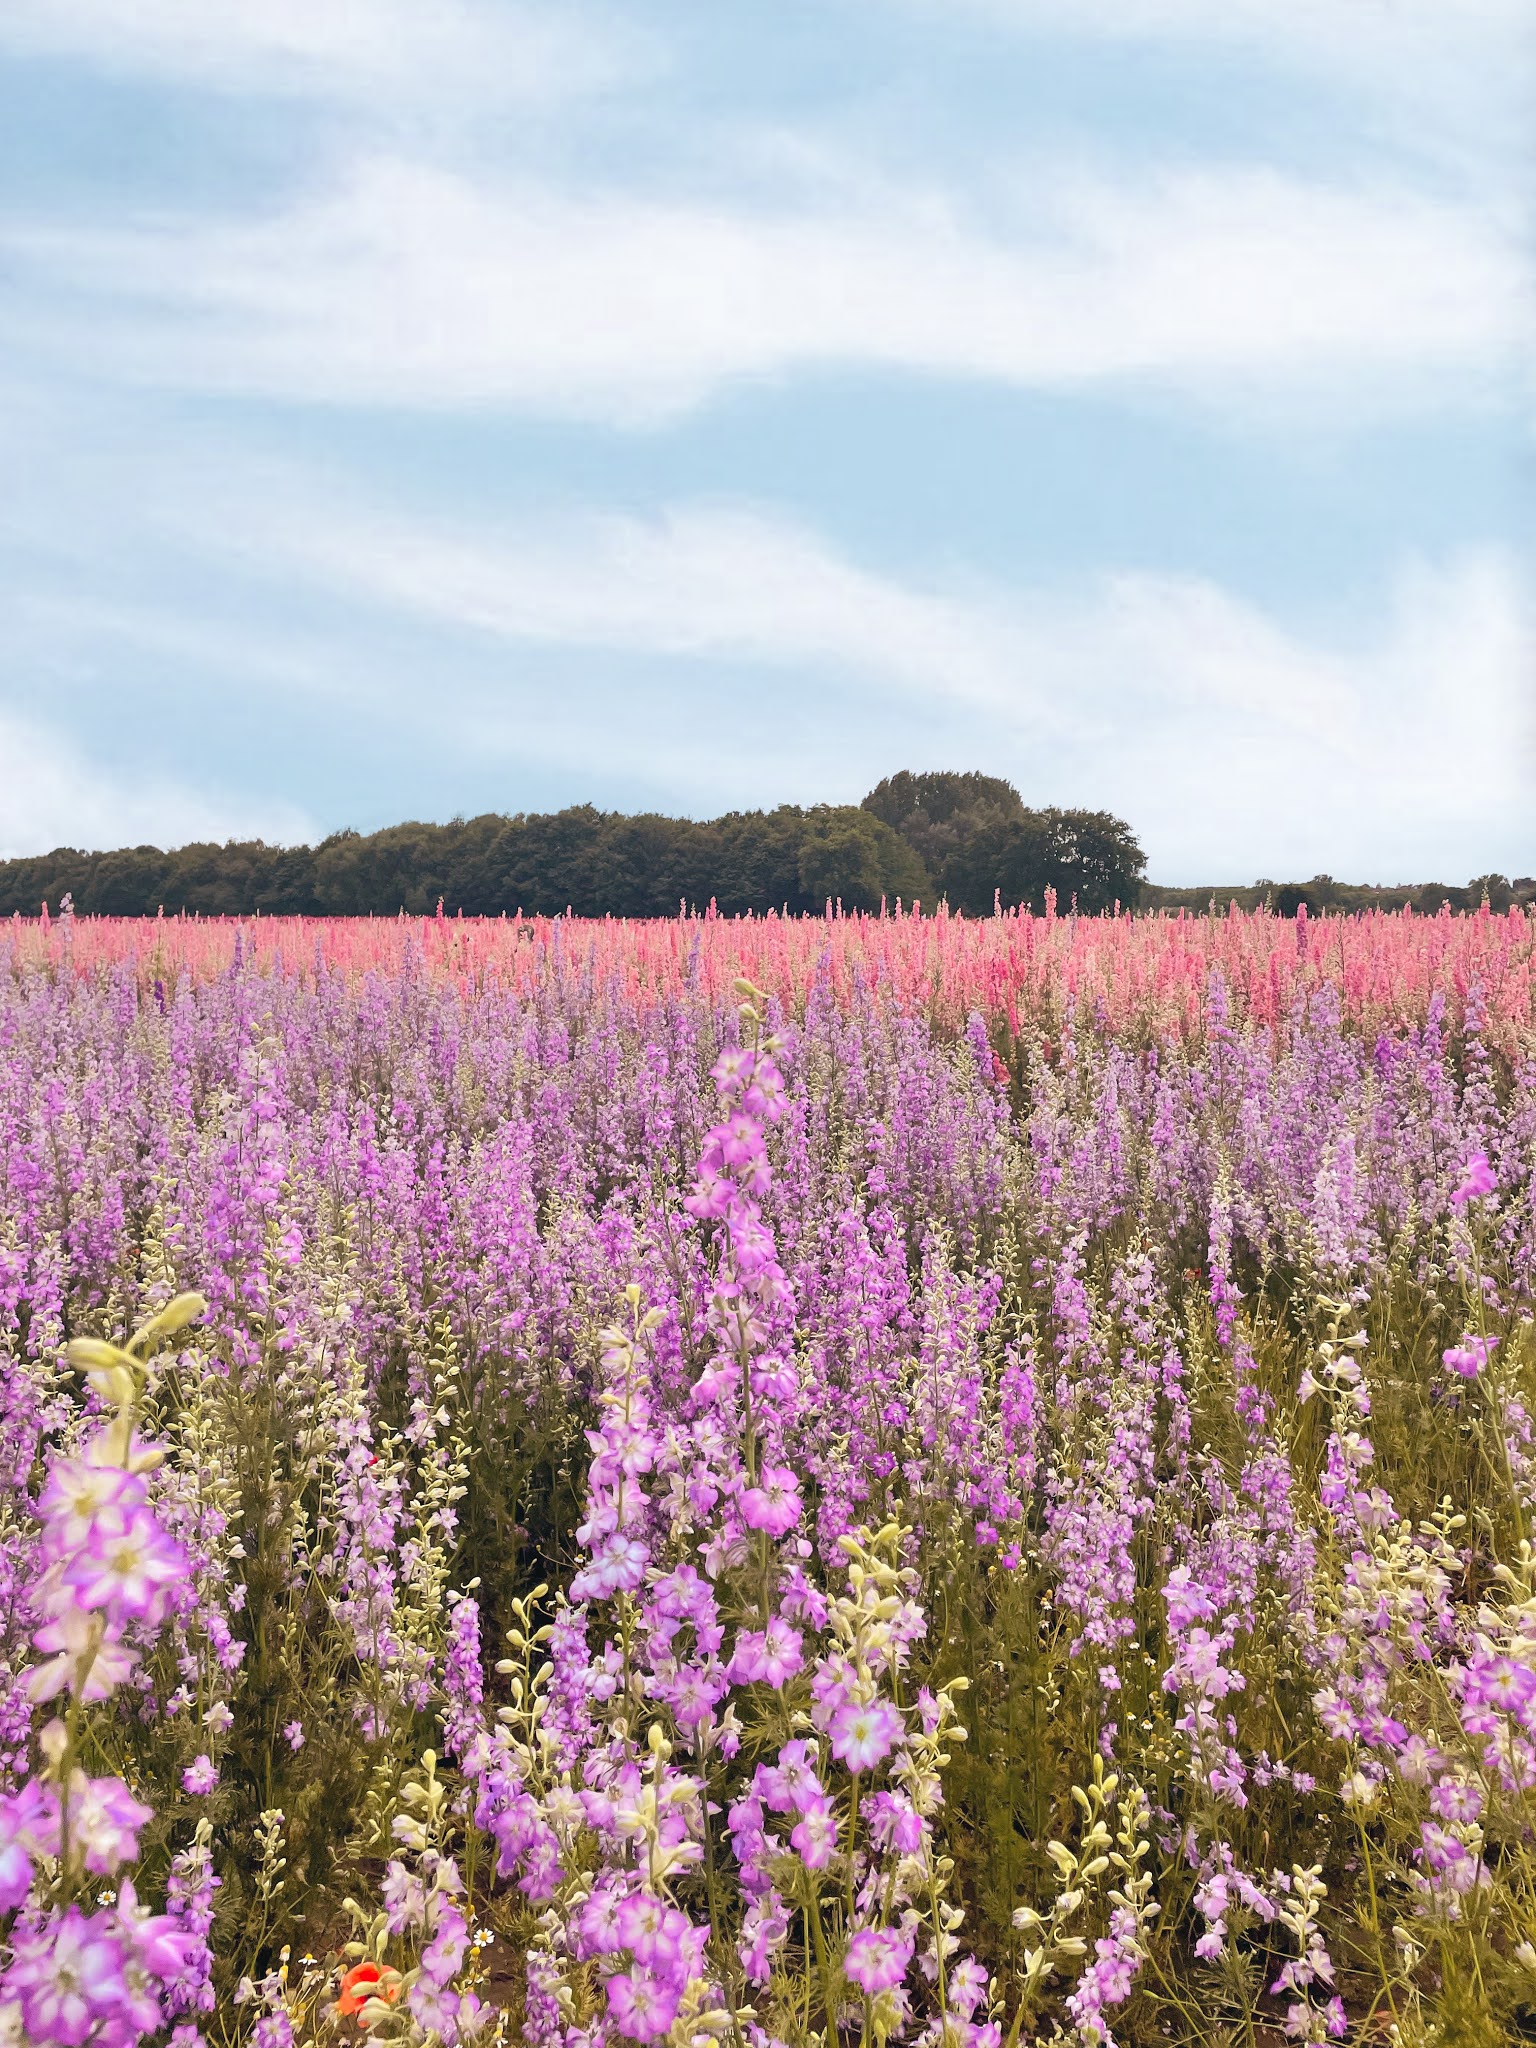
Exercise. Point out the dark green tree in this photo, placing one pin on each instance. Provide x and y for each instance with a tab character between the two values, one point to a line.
978	842
942	816
852	857
1495	890
1090	858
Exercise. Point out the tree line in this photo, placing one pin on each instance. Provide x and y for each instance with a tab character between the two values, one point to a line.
965	838
1323	896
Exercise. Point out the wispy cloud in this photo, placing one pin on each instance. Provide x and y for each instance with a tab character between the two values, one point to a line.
55	795
409	286
1445	86
373	53
1368	28
1233	739
1428	49
631	657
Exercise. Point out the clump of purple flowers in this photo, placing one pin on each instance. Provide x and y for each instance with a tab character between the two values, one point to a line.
109	1573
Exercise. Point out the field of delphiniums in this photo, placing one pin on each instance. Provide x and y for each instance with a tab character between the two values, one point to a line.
900	1480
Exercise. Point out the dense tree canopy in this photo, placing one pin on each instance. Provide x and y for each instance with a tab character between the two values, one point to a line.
967	839
978	842
590	861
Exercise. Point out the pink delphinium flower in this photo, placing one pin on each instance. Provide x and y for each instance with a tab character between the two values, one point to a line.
1500	1683
77	1644
1456	1799
814	1835
69	1978
200	1777
597	1930
1416	1760
1468	1358
77	1491
774	1504
769	1656
126	1564
968	1985
894	1823
863	1736
656	1934
1476	1179
792	1785
29	1828
105	1820
877	1959
643	2005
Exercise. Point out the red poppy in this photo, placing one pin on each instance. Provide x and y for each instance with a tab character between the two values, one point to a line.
365	1981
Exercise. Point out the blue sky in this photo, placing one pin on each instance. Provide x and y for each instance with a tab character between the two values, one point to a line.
416	409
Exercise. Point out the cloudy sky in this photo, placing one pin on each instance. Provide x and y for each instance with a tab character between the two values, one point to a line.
416	409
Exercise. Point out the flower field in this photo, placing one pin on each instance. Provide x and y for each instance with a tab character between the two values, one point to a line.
867	1480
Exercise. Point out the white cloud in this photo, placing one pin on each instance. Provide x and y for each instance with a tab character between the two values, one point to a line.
1445	52
411	286
378	52
713	655
56	796
1236	742
1375	28
710	583
1443	84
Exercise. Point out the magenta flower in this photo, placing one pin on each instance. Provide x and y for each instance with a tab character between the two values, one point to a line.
15	1875
68	1976
72	1638
894	1823
655	1932
1476	1179
127	1565
77	1492
200	1777
692	1693
877	1959
968	1983
597	1923
1468	1358
162	1948
105	1820
643	2005
814	1835
1456	1799
435	2008
1500	1683
1443	1853
769	1656
792	1784
863	1736
773	1504
30	1816
293	1735
619	1568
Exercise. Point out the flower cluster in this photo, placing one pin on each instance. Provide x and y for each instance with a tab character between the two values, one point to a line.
109	1575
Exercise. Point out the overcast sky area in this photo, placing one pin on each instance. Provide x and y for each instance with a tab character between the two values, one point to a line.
417	409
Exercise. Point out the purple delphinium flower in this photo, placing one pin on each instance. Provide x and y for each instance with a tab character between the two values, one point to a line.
200	1777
